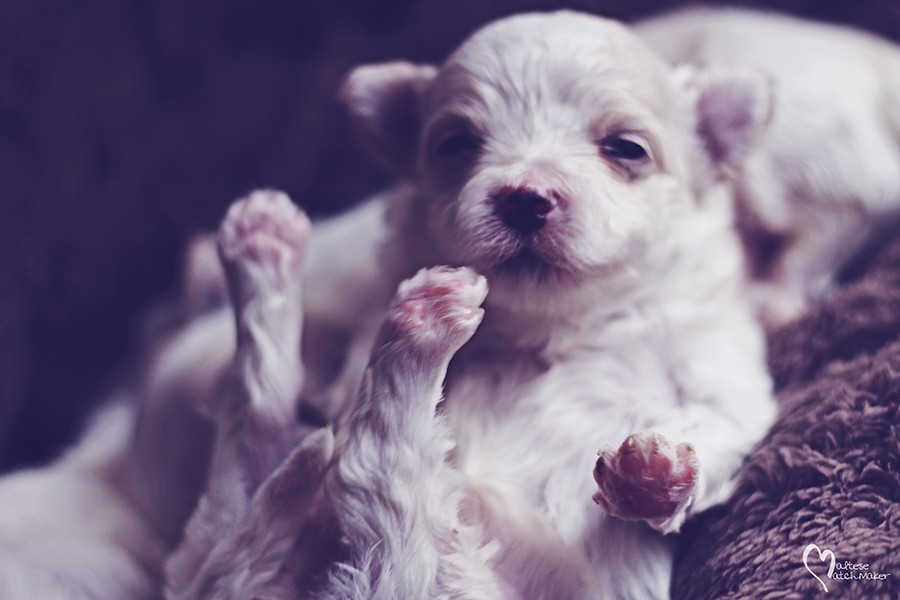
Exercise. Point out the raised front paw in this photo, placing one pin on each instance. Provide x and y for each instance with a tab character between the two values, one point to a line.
647	478
436	311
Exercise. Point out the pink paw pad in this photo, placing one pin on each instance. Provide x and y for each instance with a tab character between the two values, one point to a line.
438	309
264	227
648	477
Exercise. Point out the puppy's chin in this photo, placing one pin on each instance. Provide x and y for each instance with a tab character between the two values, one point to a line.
528	266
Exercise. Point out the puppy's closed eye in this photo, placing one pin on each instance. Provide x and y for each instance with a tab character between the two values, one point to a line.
453	137
454	149
620	148
460	144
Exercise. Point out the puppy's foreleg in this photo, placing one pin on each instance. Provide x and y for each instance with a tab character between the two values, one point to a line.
395	496
261	245
687	461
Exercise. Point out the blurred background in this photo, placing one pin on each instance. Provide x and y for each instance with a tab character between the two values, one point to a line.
127	125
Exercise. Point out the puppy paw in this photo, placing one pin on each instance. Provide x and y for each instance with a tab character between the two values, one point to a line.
262	241
648	478
436	311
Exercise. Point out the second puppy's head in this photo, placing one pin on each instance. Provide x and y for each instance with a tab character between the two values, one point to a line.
551	150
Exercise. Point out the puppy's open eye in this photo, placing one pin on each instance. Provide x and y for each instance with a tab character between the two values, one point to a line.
458	144
620	148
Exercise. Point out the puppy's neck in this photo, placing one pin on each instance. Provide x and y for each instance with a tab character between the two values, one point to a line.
555	319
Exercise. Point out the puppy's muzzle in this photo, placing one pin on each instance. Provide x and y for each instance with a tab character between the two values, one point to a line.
522	209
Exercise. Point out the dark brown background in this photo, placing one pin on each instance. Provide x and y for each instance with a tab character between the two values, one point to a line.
125	125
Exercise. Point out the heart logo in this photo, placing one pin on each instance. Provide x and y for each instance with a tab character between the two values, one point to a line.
822	556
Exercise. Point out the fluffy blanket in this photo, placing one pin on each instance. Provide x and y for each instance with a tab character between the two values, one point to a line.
828	473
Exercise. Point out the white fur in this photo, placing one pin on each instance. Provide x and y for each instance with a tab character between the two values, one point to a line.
827	171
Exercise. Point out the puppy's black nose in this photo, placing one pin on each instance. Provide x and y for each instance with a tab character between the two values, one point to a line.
523	210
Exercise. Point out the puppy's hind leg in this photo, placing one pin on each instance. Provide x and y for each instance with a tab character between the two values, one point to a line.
250	561
261	244
395	496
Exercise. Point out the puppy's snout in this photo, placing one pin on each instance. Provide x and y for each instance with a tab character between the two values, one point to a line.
523	209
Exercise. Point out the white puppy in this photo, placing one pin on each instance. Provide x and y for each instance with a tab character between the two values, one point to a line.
826	174
557	157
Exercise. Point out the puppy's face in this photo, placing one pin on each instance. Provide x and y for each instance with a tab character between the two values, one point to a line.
551	149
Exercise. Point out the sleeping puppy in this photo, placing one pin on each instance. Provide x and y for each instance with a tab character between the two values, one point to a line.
563	223
826	174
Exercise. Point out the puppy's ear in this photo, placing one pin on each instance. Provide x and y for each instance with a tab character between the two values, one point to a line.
384	104
733	109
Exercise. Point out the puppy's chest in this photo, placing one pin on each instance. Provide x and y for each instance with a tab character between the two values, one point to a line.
530	425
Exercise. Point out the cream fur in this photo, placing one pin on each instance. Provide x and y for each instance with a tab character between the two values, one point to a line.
826	174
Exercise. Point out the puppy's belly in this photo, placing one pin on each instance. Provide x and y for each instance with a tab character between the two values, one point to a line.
535	433
527	437
539	473
530	448
533	498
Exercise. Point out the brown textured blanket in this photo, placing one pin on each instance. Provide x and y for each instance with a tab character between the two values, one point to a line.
829	471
